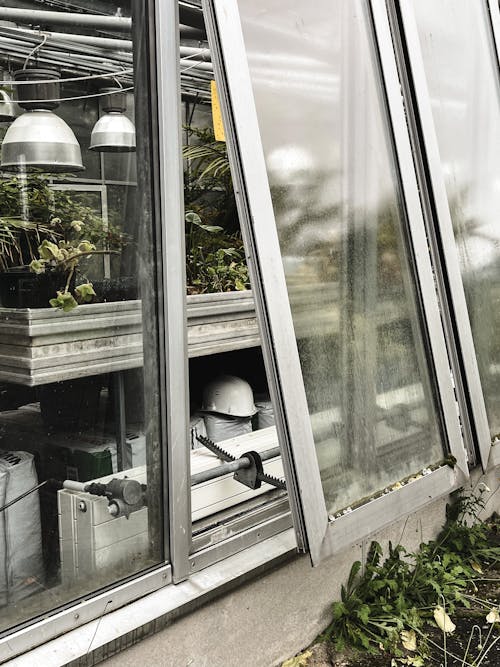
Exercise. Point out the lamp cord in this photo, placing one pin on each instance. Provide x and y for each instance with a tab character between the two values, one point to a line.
34	50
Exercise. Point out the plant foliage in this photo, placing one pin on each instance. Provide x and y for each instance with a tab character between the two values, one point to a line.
392	596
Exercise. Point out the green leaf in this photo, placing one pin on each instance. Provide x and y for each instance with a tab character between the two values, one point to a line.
85	292
356	567
339	610
363	613
64	300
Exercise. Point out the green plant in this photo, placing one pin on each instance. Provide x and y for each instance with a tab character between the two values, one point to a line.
215	262
387	604
50	230
215	257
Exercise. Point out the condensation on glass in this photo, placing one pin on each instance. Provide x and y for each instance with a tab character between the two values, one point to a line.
79	359
462	78
341	222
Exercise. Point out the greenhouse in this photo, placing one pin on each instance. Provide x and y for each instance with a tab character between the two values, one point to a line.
249	312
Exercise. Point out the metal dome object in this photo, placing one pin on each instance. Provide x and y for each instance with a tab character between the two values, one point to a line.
229	395
40	139
8	110
113	132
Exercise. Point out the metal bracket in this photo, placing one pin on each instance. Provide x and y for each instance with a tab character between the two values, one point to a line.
250	476
250	470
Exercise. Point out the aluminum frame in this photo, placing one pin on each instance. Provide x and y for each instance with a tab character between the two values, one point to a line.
494	11
459	313
174	298
73	614
315	530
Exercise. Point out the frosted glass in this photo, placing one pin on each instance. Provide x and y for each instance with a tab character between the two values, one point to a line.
463	83
340	217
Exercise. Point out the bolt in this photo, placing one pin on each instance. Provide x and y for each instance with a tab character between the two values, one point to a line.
82	506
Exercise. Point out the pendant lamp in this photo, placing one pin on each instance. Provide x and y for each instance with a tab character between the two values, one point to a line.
38	138
7	108
113	132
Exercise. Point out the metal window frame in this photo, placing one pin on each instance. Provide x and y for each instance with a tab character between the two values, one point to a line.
316	531
164	16
494	12
472	404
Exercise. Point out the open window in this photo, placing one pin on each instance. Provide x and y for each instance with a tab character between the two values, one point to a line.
343	279
454	74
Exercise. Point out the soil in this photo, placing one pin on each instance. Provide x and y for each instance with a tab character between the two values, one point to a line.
469	623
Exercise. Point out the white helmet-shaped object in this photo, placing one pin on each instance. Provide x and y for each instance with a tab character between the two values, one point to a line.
229	395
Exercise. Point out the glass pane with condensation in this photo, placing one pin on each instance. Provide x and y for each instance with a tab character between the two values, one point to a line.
462	77
341	222
79	401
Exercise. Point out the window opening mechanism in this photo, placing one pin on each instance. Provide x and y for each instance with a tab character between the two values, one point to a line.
248	468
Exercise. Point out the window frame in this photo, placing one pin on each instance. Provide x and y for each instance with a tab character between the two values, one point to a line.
316	531
164	74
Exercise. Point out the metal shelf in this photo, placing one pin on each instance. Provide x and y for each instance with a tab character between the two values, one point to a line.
44	345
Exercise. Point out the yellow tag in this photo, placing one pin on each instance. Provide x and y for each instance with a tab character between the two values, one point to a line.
216	114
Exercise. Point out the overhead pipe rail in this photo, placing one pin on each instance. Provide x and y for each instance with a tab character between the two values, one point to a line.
188	14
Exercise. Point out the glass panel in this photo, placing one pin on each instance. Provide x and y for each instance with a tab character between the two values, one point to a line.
79	382
229	396
462	77
340	221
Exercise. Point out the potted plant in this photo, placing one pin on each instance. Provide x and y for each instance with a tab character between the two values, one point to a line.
45	239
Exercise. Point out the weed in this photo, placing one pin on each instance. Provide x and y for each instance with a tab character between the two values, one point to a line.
386	604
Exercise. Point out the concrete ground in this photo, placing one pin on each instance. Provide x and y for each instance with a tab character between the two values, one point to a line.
266	621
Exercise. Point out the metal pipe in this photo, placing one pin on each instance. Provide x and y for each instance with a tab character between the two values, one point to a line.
232	466
191	15
197	64
195	53
187	32
89	40
72	485
219	471
62	39
39	16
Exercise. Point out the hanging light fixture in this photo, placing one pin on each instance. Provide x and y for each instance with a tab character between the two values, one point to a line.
9	110
113	132
38	138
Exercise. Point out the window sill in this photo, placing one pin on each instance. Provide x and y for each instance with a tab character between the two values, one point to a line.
159	607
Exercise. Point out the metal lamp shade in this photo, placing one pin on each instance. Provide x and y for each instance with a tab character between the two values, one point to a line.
113	133
40	139
9	111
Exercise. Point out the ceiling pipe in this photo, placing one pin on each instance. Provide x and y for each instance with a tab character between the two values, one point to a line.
88	40
189	15
100	42
192	33
41	17
197	64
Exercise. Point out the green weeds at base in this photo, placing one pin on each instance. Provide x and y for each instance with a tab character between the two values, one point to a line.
386	605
